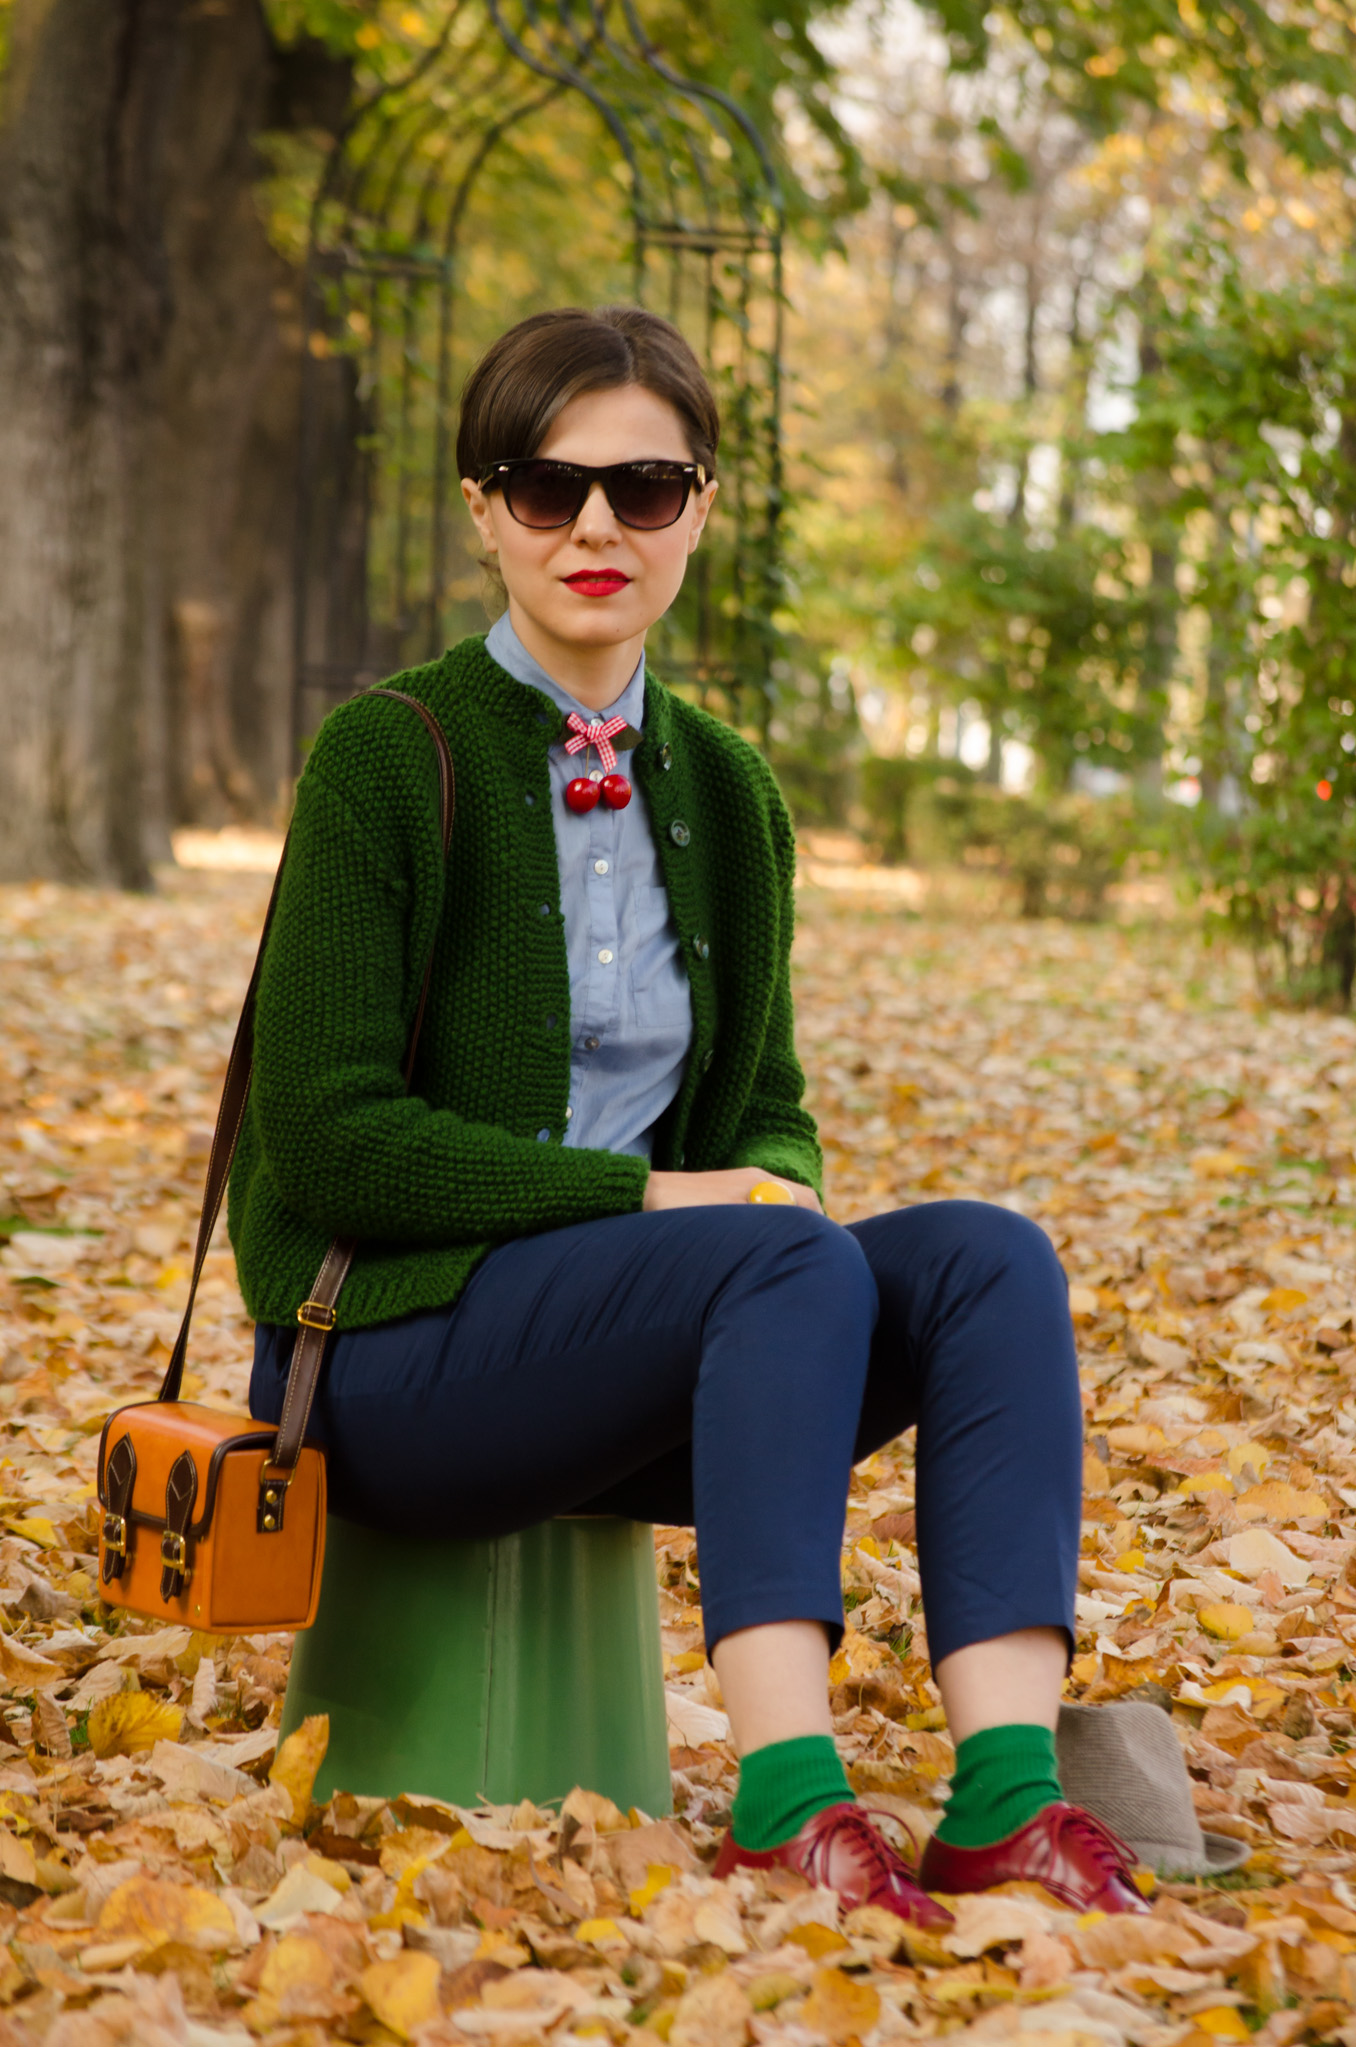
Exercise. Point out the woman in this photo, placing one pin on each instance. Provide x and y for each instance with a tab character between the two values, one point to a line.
565	1298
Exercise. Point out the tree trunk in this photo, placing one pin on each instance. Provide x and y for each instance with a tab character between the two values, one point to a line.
148	397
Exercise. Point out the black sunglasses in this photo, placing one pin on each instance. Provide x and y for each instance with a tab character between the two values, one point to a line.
543	494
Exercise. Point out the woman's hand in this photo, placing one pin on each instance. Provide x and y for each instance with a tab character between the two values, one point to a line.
714	1190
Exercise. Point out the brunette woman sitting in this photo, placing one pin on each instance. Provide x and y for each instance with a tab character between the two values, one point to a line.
576	1288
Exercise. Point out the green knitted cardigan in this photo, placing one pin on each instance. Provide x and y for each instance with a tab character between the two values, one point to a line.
430	1180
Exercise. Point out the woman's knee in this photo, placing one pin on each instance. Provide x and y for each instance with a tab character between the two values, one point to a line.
987	1240
806	1252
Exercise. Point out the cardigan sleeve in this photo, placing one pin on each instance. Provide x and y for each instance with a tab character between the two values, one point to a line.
349	1150
774	1131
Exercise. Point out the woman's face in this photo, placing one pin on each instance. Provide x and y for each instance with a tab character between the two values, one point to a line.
623	579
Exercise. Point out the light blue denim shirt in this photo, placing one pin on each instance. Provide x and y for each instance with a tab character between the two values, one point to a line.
630	1007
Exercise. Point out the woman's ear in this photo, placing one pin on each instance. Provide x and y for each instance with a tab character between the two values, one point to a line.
478	505
703	504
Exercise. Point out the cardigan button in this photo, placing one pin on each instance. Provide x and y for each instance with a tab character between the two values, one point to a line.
543	909
679	832
666	758
528	799
543	1137
701	947
707	1058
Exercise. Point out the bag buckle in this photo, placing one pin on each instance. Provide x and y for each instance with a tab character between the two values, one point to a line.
174	1554
115	1534
315	1315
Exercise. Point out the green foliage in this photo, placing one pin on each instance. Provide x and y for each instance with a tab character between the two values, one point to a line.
1058	855
1290	68
1252	409
1043	630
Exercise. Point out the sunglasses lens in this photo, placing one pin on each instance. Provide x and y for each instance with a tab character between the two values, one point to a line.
544	494
647	495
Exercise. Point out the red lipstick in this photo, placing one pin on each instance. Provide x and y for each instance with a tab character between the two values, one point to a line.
597	582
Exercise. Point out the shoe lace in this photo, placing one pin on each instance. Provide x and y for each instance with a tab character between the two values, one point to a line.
851	1822
1112	1854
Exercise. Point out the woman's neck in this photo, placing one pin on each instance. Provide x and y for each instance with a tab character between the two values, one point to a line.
596	676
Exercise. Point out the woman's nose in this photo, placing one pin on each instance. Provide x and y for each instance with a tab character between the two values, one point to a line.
597	521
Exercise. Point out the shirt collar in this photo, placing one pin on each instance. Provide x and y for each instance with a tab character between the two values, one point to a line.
503	645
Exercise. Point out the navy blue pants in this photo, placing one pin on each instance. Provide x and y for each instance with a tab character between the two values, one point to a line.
725	1367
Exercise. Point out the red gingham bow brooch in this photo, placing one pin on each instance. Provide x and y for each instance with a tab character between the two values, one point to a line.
583	793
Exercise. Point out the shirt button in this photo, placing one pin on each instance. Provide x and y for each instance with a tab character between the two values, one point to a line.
543	1137
569	1113
679	832
600	867
605	958
592	1044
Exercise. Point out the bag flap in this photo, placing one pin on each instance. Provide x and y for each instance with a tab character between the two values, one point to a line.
159	1432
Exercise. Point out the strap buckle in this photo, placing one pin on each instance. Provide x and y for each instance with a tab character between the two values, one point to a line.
315	1315
272	1499
115	1534
174	1553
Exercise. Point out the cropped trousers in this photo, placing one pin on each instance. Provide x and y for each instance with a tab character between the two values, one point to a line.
725	1367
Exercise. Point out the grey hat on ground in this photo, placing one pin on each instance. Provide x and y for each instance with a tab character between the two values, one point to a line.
1124	1763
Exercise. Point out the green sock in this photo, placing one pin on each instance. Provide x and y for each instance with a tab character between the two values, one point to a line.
783	1785
1004	1777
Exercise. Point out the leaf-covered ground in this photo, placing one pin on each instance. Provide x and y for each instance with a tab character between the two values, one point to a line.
164	1877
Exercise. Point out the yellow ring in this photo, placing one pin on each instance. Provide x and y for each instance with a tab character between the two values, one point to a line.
770	1191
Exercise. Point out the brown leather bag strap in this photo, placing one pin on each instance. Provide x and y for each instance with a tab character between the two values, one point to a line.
316	1315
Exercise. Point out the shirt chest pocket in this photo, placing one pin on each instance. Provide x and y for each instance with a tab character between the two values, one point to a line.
659	994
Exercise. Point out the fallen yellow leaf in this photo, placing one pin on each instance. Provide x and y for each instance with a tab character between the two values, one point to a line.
22	1670
1240	1455
298	1759
129	1722
1274	1500
402	1993
154	1912
1207	1482
1222	2022
857	1655
1218	1165
1282	1299
817	1940
838	2007
16	1859
1227	1621
600	1933
658	1876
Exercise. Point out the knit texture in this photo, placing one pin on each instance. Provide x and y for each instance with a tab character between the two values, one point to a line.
1004	1777
784	1785
472	1155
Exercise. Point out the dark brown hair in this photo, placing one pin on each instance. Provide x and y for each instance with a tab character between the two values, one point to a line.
526	377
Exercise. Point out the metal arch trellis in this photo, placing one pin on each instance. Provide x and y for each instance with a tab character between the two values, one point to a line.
403	290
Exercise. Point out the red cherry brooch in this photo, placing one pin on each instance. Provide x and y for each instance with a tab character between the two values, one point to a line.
583	792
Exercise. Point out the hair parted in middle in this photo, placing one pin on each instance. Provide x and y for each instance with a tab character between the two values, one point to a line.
531	373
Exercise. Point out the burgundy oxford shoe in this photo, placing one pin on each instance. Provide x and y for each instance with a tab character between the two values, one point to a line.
839	1847
1070	1854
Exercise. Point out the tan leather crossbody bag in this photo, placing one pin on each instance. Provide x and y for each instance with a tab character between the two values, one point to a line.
209	1517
